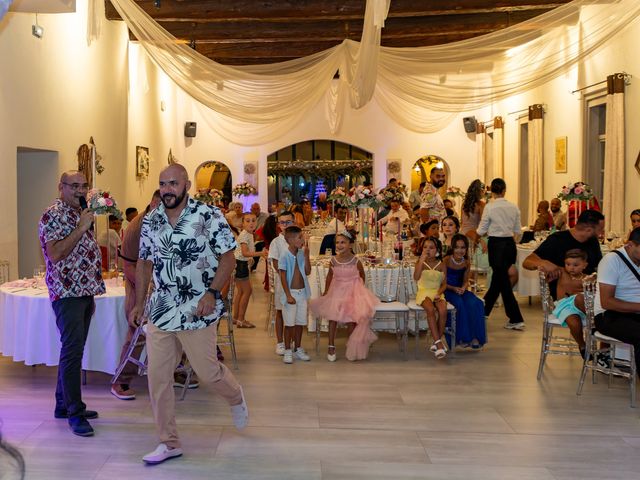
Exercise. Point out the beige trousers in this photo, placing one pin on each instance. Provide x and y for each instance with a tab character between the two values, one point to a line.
165	350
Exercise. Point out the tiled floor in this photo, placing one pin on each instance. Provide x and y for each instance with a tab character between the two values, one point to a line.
480	415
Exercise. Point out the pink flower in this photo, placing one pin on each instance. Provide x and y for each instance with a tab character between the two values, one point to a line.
353	198
361	196
109	202
578	190
366	191
566	191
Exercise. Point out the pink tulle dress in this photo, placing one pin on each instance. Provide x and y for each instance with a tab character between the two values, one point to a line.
349	301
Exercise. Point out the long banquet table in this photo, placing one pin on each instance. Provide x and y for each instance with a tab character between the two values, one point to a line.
28	331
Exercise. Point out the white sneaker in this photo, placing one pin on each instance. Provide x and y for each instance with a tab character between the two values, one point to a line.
160	454
302	355
280	349
240	413
514	326
332	357
288	356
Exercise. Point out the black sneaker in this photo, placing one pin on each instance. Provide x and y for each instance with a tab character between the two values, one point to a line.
604	360
81	427
90	414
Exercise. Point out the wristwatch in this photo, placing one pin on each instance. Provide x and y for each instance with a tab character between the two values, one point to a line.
216	293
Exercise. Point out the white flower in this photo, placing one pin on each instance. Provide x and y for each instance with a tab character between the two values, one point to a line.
102	202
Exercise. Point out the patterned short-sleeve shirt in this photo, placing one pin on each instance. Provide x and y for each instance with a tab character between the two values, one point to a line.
432	200
79	274
185	260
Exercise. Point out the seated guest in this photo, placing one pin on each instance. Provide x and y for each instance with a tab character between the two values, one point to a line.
397	216
544	221
234	216
450	227
430	229
448	207
635	218
337	223
414	197
298	217
559	217
549	256
111	240
617	302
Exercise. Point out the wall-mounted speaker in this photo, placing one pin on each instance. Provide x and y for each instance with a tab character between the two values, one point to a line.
470	124
190	129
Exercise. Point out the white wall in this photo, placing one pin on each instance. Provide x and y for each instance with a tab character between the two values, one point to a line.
54	94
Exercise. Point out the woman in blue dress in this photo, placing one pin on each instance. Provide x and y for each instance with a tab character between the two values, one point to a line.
470	326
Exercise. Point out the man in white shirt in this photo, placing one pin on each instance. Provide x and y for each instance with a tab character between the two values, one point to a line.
415	197
501	220
277	247
559	217
397	216
337	223
617	302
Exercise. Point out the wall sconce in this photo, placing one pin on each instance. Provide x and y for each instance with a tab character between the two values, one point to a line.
37	30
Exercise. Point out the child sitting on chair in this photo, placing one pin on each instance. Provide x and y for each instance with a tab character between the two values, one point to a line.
294	268
347	300
570	306
429	273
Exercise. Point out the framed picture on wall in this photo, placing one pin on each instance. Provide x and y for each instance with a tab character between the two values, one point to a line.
142	162
561	155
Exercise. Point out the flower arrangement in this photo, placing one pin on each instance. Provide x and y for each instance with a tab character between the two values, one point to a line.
209	196
339	195
102	203
244	189
453	192
576	191
362	196
390	194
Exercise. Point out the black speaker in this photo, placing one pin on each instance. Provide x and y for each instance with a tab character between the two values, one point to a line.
469	124
190	129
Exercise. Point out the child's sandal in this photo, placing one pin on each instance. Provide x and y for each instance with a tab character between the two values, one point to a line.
332	356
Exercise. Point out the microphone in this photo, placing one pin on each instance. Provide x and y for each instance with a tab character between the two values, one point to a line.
83	206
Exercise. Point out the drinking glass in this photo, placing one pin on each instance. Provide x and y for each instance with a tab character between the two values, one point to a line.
327	252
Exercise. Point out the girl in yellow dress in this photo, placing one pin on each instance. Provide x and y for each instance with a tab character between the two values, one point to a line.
429	273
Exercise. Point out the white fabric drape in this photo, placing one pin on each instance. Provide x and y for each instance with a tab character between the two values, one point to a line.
498	149
422	89
94	13
480	153
536	162
614	172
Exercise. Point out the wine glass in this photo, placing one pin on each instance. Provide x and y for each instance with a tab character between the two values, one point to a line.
537	236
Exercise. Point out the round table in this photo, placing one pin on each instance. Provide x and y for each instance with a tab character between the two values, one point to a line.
528	280
29	334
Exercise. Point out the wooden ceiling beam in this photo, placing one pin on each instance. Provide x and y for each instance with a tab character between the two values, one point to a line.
310	10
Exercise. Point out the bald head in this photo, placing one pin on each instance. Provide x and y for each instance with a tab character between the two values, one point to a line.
176	170
64	178
174	184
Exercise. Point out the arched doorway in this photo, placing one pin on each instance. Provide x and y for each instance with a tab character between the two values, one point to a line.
422	169
311	169
213	175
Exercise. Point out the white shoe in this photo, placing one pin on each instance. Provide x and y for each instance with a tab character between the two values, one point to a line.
280	349
287	356
514	326
240	413
332	357
302	355
160	454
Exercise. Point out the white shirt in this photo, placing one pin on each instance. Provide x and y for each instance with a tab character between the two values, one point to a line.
500	218
613	271
394	220
331	227
277	247
246	238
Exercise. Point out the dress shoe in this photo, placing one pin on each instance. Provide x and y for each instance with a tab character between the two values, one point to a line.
160	454
88	414
80	426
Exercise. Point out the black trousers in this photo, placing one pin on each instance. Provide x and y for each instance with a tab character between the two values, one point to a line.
502	254
73	316
623	326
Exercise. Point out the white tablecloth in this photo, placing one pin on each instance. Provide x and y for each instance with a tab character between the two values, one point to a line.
29	334
314	245
528	280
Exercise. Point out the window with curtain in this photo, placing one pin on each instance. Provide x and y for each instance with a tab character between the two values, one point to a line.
595	139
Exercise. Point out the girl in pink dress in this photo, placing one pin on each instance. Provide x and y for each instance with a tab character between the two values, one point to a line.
347	300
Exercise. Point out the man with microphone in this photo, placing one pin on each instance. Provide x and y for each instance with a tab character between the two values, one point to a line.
73	277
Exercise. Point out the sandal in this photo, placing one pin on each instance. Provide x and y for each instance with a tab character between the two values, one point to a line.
332	356
433	348
440	353
244	324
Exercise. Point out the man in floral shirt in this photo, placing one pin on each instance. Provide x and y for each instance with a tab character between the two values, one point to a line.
430	198
73	278
188	248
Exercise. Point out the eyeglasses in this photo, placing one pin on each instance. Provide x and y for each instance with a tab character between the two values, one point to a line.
285	222
77	186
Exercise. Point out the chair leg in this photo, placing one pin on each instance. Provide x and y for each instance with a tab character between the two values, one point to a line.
416	324
405	334
187	381
318	323
453	328
632	380
543	349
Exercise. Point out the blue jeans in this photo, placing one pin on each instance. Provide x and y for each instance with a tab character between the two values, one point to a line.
73	316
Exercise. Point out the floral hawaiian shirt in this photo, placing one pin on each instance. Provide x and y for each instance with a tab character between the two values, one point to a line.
432	200
79	274
185	260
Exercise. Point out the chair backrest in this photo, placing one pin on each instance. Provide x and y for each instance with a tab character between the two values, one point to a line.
545	295
322	270
271	273
383	282
589	289
410	285
328	241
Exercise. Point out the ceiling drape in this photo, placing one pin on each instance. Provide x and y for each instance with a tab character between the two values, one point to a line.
421	89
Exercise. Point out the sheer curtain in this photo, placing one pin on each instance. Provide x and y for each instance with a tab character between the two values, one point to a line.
480	149
422	89
614	173
535	153
498	148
